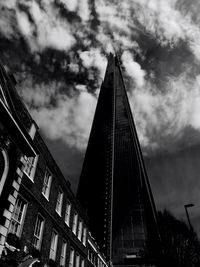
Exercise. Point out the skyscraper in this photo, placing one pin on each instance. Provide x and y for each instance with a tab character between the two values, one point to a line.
114	187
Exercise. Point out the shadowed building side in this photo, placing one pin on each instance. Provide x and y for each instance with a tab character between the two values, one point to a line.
40	218
114	187
94	189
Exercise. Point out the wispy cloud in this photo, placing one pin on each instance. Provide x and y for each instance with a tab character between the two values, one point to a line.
60	116
133	69
72	38
161	116
70	5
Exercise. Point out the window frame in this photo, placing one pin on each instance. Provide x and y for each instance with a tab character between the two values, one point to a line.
32	130
80	229
30	166
77	260
47	185
63	255
59	202
39	238
68	212
71	257
82	262
53	250
84	235
20	223
75	222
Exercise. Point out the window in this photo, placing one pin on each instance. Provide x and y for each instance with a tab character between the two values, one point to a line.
47	183
18	216
30	166
32	130
4	167
59	202
90	255
84	236
67	212
53	248
74	226
39	226
63	253
71	258
82	263
80	228
77	260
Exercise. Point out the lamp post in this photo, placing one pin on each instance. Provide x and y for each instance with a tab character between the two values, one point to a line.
187	214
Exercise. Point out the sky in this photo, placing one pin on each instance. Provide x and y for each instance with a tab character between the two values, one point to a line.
58	49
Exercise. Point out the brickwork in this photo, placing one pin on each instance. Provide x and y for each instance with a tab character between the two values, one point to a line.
27	217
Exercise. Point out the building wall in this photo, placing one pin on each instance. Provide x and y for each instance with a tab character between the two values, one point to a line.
22	195
9	181
37	203
22	199
95	257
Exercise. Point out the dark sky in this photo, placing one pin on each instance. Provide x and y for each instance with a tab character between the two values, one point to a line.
58	51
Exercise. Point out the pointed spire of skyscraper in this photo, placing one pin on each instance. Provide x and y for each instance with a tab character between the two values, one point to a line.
114	187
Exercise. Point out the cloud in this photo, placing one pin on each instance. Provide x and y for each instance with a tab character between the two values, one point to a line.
70	120
133	69
51	32
7	22
61	117
119	23
24	24
41	27
167	23
163	116
83	10
70	5
10	4
38	95
86	31
94	58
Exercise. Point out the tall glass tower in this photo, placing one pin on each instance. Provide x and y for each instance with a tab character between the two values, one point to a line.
114	188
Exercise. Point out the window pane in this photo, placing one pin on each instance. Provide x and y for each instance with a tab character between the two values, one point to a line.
37	239
82	263
80	227
53	248
77	260
59	202
67	213
18	216
47	183
71	258
75	219
63	253
84	235
30	166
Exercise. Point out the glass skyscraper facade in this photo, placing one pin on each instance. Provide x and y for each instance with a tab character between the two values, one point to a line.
114	188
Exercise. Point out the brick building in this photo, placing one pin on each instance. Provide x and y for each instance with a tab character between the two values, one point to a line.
40	218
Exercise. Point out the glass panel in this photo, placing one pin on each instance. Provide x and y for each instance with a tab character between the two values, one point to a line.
18	216
74	227
71	259
30	166
67	214
53	248
63	254
37	239
47	184
59	202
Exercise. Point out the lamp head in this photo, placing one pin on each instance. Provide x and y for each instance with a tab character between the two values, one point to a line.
189	205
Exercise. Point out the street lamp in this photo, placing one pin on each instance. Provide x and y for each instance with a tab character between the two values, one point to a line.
187	214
